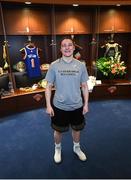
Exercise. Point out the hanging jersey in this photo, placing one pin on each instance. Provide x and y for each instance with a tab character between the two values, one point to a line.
32	62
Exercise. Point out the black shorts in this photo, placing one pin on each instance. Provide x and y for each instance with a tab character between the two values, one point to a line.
62	120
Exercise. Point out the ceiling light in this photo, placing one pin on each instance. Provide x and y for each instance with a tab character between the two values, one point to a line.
118	5
27	2
75	5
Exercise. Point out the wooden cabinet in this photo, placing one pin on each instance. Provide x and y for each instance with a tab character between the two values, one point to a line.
106	21
122	21
21	20
26	21
21	102
39	22
114	20
16	21
112	90
72	22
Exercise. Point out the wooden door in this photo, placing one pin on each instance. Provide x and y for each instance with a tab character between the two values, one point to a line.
106	21
122	21
72	22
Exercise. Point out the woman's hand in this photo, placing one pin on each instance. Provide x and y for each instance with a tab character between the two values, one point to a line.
50	111
85	109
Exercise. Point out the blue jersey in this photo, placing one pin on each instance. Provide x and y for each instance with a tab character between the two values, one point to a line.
32	62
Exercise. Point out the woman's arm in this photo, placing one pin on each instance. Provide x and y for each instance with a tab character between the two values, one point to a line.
85	93
48	92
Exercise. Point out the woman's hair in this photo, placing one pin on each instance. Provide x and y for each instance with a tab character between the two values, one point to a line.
62	39
66	37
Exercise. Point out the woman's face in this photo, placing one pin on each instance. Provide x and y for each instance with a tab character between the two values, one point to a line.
67	47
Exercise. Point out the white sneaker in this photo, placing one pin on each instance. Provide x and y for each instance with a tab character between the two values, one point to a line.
79	153
57	155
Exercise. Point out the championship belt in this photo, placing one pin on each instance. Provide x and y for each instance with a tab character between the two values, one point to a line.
20	66
26	89
42	83
44	67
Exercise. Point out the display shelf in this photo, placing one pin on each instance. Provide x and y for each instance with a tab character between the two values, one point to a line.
22	101
112	89
23	93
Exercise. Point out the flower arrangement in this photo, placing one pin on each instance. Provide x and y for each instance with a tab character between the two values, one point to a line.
110	66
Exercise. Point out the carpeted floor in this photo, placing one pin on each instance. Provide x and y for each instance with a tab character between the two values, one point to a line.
26	145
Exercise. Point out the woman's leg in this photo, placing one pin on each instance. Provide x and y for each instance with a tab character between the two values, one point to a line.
57	139
76	147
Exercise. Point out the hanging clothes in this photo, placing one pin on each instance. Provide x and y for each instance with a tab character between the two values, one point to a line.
32	61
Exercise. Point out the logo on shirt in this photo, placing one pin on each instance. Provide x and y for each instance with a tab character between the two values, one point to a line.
68	72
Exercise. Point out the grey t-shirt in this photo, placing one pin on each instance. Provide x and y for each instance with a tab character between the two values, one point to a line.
67	78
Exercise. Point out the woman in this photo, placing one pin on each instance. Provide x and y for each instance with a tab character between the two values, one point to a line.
69	76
